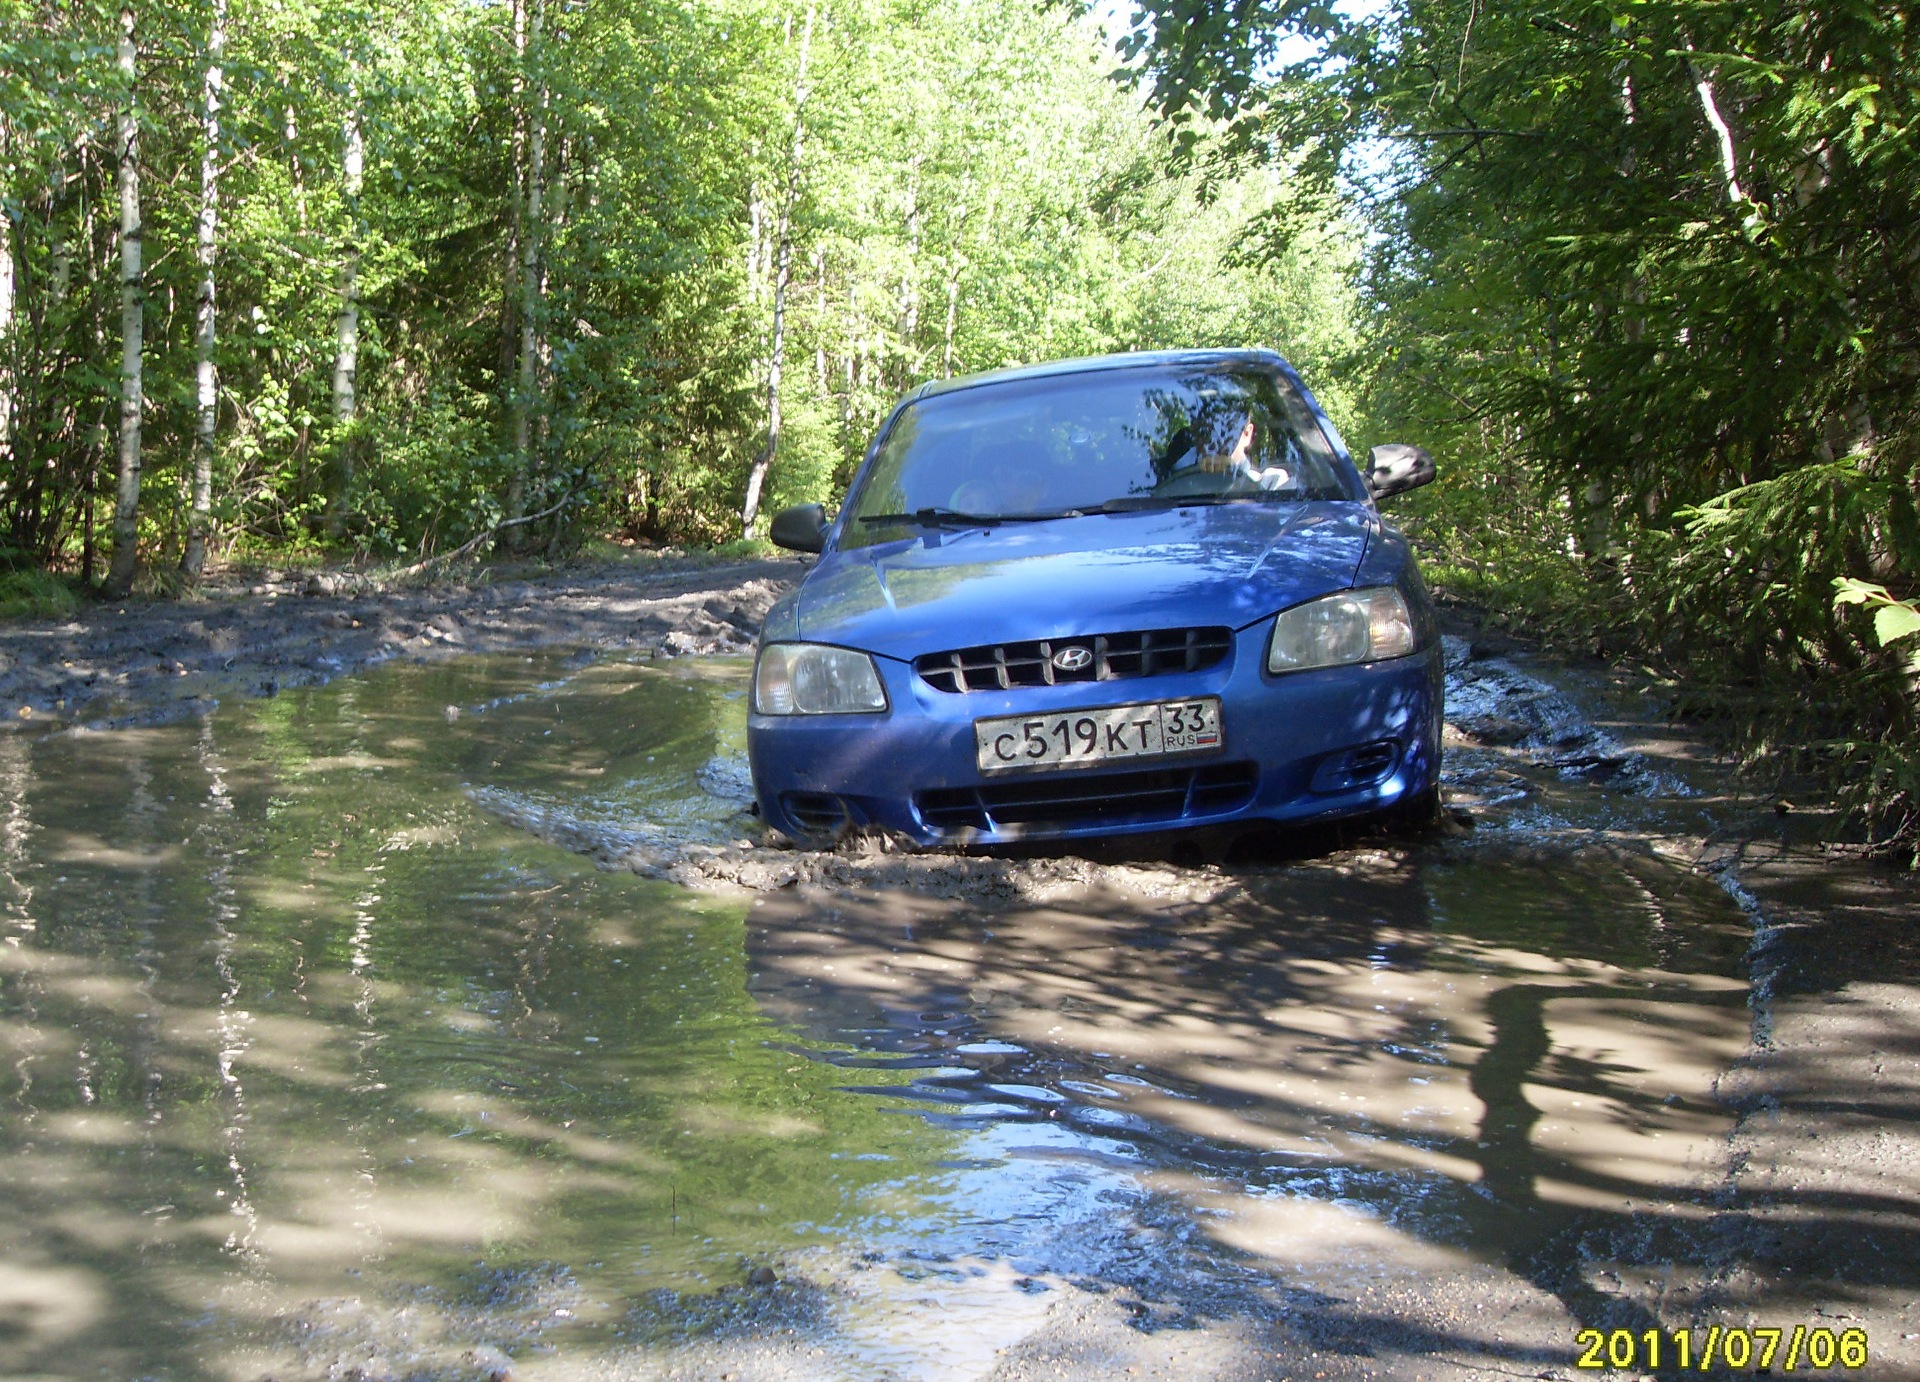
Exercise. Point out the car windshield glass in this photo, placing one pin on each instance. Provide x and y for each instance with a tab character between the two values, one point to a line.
1101	441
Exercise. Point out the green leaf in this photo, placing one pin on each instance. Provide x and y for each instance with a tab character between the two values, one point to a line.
1848	591
1891	622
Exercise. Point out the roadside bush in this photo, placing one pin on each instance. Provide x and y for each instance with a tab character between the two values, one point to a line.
1736	598
37	595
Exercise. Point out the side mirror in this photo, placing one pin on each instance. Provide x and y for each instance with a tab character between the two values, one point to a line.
1397	468
802	528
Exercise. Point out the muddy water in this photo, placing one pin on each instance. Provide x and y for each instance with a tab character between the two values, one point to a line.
310	1066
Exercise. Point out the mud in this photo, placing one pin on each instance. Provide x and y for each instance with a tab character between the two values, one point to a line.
1615	1045
142	662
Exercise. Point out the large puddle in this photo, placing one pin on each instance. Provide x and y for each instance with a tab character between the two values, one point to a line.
310	1066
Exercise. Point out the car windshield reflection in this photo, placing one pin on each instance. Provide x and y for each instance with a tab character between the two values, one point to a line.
1103	442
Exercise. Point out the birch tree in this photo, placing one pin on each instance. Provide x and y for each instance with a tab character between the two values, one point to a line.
126	510
346	352
392	292
782	277
529	216
206	244
6	304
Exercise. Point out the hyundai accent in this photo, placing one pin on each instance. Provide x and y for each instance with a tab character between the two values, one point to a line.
1134	593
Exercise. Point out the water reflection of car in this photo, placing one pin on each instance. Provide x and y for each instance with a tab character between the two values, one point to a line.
1052	607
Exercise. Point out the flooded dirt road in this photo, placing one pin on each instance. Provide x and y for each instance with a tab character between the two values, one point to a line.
335	1043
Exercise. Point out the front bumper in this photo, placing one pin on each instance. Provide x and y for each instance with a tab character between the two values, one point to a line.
1319	745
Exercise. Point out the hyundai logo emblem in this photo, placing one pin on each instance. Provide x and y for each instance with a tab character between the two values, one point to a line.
1073	659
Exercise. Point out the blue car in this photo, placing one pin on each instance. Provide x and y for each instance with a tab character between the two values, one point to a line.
1140	592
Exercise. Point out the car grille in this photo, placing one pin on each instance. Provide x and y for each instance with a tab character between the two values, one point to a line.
1111	657
1162	795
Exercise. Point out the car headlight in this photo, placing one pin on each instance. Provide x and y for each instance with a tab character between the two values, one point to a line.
814	679
1353	626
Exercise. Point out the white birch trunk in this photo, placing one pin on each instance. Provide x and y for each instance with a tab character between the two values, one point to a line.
910	276
782	275
346	332
956	265
510	265
1722	132
820	319
527	374
1729	165
6	313
126	510
206	383
953	316
290	131
848	361
60	274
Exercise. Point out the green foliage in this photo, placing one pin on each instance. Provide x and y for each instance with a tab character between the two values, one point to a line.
1889	786
1500	541
1651	267
1893	619
1775	546
970	192
37	595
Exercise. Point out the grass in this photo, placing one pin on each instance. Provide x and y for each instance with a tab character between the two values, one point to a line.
38	595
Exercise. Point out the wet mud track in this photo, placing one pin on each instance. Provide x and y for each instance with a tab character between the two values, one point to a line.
374	1031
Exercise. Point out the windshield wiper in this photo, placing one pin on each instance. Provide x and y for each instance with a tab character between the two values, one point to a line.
939	517
1139	503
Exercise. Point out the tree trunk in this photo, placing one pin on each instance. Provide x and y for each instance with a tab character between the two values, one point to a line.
6	313
126	510
910	276
1723	137
820	320
206	383
953	316
782	275
526	380
510	281
558	203
60	269
290	132
848	363
346	347
956	265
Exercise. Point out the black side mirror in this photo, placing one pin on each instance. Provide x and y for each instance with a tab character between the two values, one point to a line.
1397	468
802	528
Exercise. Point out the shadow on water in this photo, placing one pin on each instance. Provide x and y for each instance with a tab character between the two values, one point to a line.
1396	1069
308	1064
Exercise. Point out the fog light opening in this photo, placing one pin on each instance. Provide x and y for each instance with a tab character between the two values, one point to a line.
1364	765
817	813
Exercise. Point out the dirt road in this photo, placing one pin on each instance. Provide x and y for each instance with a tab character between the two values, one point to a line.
142	660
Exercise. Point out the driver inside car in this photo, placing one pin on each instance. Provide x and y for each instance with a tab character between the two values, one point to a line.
1223	436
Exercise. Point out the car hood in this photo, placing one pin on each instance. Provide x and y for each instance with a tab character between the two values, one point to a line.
1103	573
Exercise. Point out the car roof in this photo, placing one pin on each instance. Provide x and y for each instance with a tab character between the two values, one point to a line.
1133	359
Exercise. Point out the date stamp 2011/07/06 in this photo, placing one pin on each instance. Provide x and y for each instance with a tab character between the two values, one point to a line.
1792	1348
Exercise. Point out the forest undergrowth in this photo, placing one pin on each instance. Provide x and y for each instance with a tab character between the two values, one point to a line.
1810	685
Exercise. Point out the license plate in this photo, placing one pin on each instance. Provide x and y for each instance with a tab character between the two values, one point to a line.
1072	738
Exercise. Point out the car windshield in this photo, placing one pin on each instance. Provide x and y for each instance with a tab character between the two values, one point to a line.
1103	441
